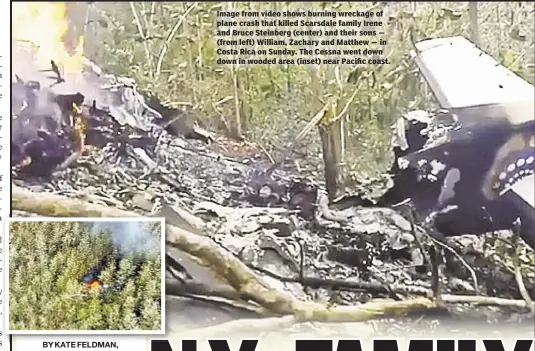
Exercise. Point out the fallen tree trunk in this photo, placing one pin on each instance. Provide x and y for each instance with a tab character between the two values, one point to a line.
236	273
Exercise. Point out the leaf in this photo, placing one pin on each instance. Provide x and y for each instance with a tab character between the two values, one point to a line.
387	86
103	23
225	99
516	35
355	75
393	72
216	7
507	57
400	79
172	77
451	14
403	14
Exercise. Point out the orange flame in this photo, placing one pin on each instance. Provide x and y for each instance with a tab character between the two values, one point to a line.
94	286
44	25
80	127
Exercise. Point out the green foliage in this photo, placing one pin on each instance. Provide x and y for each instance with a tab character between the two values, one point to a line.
276	102
47	262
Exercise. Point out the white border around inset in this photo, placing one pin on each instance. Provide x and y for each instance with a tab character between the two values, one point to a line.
7	221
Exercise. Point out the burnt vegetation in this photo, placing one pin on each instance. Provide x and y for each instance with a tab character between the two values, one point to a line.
288	172
66	276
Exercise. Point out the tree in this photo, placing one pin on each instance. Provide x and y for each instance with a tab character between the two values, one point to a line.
47	262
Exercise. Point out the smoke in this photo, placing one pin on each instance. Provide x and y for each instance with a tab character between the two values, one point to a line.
82	17
24	61
45	113
131	237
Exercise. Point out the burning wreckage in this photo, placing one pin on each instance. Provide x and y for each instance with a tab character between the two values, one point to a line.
474	160
468	169
92	278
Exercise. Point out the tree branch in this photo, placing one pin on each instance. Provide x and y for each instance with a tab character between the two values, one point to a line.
143	37
170	37
236	273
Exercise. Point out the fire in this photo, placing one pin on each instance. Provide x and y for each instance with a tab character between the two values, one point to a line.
80	127
94	286
45	25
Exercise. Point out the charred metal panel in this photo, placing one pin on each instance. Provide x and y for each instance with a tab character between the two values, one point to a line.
479	149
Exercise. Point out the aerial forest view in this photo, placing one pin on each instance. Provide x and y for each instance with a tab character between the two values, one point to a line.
66	275
393	195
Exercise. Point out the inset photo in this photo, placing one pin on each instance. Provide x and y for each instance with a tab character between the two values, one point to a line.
85	275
